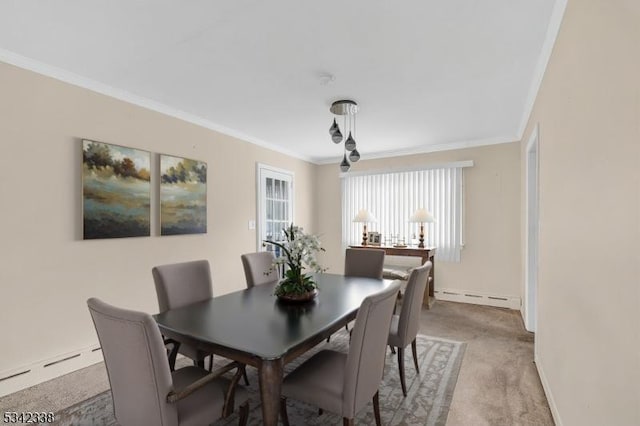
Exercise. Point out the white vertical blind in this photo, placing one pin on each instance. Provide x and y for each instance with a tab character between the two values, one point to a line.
392	197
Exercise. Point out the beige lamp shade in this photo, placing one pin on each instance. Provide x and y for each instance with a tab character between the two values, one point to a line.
364	216
421	216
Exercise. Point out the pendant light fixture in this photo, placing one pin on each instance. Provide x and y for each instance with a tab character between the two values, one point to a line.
348	110
345	166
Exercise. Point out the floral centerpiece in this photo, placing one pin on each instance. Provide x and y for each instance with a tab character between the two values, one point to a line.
298	252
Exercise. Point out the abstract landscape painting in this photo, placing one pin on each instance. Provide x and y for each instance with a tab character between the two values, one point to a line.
183	196
116	191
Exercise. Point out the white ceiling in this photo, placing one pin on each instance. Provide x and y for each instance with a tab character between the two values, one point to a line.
427	74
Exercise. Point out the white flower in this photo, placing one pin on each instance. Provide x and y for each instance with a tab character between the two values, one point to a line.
299	250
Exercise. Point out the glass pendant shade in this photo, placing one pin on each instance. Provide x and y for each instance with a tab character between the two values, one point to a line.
346	110
350	143
354	156
333	127
337	136
345	166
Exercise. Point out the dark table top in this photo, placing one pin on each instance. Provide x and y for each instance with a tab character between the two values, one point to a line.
255	322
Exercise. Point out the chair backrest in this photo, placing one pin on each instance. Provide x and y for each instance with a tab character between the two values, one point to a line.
137	365
409	320
255	267
365	362
366	263
179	284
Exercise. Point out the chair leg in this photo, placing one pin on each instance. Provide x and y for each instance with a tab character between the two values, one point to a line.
346	326
246	378
395	305
244	414
283	411
172	356
210	363
320	411
393	350
199	363
414	349
347	422
376	409
401	370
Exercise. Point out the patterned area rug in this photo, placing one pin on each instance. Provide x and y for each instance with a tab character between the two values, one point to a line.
427	403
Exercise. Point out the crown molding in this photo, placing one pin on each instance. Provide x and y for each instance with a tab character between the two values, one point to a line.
89	84
123	95
424	149
547	48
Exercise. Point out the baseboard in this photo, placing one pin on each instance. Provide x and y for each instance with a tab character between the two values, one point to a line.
26	376
465	296
547	391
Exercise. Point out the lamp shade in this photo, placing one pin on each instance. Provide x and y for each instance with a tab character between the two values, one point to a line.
421	216
364	216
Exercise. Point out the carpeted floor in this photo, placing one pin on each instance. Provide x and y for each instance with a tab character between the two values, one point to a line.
427	402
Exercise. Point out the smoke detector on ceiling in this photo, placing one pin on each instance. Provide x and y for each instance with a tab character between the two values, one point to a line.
326	78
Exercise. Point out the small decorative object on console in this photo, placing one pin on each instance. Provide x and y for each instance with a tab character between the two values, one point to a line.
373	238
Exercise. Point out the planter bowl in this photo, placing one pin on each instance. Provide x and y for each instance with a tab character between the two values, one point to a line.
299	297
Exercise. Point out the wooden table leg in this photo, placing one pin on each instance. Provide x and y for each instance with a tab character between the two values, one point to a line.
270	373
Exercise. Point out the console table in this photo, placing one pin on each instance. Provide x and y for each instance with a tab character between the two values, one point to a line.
427	253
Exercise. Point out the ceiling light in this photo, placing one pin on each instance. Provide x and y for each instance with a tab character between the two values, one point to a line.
345	166
348	110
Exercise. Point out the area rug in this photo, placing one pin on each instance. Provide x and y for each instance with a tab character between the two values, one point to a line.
428	398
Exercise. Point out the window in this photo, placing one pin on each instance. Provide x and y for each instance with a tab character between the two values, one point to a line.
393	196
275	204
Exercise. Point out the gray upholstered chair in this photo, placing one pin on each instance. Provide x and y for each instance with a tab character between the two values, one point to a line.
367	263
344	383
257	268
144	390
404	327
181	284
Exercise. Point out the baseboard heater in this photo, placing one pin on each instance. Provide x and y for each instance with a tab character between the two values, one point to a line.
26	376
475	298
14	375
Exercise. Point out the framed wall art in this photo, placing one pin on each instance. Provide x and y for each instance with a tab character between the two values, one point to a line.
183	196
115	191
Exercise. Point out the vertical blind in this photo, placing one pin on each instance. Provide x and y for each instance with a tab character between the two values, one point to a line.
392	197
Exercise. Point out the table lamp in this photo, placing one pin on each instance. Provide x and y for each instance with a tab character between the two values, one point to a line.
364	217
421	216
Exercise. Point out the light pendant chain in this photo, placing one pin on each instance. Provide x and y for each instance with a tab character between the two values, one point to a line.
346	131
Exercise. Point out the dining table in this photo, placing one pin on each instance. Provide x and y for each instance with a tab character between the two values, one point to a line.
253	327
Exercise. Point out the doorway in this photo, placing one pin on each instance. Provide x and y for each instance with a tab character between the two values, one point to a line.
275	205
532	232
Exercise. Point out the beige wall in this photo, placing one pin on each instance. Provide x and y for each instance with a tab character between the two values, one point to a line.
491	256
47	271
588	109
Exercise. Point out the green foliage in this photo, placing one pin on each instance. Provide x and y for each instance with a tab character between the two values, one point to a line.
295	282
